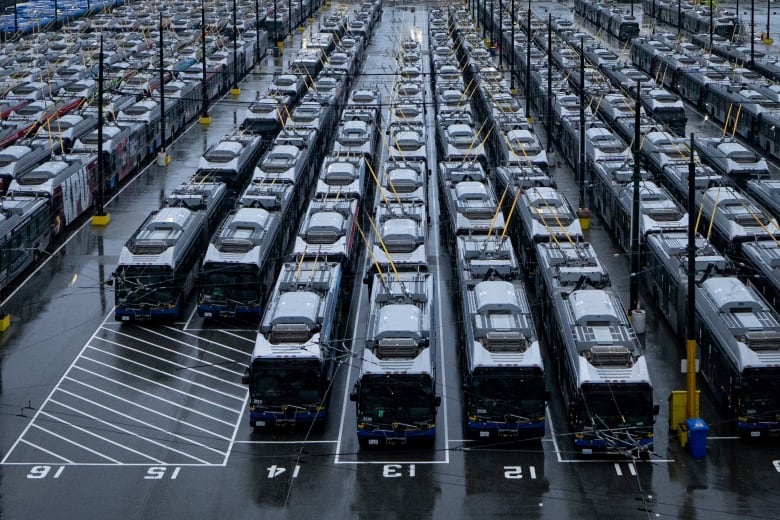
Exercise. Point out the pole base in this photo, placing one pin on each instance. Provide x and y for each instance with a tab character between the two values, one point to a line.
5	322
205	120
163	159
235	91
583	214
101	220
301	29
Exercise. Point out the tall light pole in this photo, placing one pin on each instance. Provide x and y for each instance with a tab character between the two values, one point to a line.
752	31
235	90
257	31
636	178
500	34
768	13
205	119
548	119
512	51
528	66
162	156
100	218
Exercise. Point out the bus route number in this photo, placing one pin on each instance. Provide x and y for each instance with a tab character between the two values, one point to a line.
39	472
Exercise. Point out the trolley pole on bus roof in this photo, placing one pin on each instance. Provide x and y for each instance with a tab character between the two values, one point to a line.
205	119
100	218
690	329
162	155
636	178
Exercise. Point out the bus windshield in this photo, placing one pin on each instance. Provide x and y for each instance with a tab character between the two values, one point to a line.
153	284
236	283
274	384
500	395
617	405
397	398
761	396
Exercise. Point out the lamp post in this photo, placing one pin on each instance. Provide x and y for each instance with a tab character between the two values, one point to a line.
500	33
257	31
636	178
162	156
235	90
528	66
768	13
512	50
548	119
752	31
492	24
205	119
100	218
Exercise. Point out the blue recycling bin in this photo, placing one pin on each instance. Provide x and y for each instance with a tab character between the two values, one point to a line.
697	437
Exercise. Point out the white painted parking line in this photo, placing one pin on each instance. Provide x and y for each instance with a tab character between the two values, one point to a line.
128	432
153	396
144	423
142	407
172	376
334	441
101	437
211	341
74	443
51	393
48	452
153	382
199	361
178	366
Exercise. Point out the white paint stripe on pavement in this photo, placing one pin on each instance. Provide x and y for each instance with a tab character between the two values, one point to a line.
168	374
153	396
78	445
128	432
101	437
147	409
153	382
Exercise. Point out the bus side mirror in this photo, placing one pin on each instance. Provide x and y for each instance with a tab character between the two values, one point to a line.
353	395
245	377
656	409
437	401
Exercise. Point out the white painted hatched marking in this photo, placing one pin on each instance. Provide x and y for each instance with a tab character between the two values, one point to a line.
48	452
200	362
101	437
178	366
153	382
250	341
172	376
74	443
151	395
142	423
142	407
205	351
126	431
